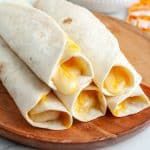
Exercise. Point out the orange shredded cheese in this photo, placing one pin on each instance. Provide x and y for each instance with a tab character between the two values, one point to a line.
139	15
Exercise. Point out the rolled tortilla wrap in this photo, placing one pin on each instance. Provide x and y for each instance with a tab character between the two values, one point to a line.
121	78
44	47
38	105
95	40
87	104
129	104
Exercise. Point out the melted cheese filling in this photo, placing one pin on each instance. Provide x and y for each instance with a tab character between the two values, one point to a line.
118	80
45	116
72	47
40	113
122	107
86	102
67	75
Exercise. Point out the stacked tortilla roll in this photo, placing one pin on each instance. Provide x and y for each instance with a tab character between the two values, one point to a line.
113	74
87	104
56	59
67	70
39	106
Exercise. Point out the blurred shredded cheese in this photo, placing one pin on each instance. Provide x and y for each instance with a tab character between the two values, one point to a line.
139	15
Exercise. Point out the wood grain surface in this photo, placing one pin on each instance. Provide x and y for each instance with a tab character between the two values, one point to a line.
99	132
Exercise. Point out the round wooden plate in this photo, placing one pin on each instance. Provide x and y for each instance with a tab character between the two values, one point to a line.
93	134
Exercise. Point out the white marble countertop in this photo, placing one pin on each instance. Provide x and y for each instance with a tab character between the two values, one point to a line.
140	141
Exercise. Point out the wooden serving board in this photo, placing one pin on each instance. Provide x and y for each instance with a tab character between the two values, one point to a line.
99	132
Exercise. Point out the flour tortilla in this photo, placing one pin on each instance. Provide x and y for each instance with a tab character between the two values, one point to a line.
122	61
70	101
132	107
27	91
95	40
37	39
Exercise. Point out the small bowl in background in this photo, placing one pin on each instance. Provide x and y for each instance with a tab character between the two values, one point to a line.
105	6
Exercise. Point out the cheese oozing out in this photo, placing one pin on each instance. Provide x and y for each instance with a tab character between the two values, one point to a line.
128	105
66	78
88	103
42	112
118	80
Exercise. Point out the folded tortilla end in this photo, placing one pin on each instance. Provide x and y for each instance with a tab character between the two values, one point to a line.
118	81
66	78
50	113
89	105
131	105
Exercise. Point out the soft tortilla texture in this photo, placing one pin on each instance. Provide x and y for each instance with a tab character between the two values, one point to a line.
26	89
70	100
25	30
98	44
122	61
95	40
36	38
132	107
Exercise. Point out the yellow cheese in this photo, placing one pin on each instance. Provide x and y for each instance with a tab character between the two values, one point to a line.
117	81
37	108
38	114
122	107
66	80
72	46
45	116
87	101
67	76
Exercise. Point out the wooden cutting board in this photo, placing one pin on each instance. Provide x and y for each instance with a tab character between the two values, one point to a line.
99	132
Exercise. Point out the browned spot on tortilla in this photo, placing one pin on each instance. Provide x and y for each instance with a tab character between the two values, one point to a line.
67	21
